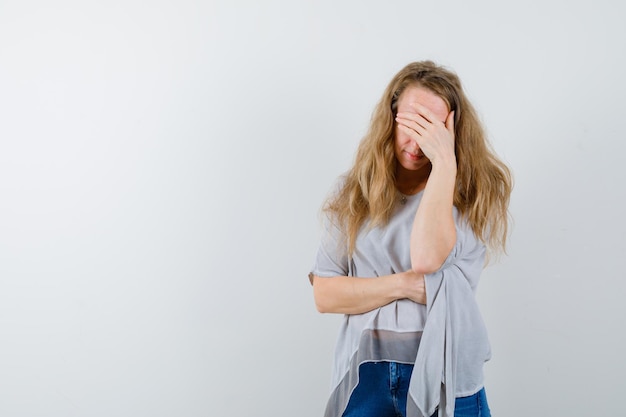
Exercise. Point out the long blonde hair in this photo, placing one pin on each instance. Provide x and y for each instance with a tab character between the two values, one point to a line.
483	184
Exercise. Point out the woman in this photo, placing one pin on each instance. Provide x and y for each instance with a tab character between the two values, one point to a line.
404	243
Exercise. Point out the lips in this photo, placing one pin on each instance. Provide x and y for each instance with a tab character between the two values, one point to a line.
414	157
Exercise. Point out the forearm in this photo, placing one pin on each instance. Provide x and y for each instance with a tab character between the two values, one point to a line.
433	234
353	295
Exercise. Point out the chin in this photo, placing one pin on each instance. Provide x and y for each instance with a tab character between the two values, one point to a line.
416	165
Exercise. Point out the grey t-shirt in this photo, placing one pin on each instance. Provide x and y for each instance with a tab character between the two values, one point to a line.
394	332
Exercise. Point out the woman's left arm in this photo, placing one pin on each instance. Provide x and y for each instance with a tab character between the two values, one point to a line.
433	235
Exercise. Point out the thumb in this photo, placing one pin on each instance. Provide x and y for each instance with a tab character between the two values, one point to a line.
450	121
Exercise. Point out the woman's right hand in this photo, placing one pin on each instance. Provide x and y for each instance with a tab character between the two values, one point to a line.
413	286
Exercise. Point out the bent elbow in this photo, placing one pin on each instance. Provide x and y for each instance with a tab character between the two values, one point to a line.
425	267
426	263
318	295
321	308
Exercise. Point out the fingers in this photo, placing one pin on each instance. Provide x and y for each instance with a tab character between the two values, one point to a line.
424	119
426	113
413	133
418	122
413	121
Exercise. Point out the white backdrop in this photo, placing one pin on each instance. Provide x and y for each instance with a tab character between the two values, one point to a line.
162	164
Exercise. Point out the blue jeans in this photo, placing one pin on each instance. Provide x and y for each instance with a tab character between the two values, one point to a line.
383	388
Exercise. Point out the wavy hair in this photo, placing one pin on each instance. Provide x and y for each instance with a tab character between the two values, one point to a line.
368	194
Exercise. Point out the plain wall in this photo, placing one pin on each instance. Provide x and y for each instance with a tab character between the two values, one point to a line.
162	166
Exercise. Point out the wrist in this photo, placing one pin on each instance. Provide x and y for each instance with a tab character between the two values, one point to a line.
405	284
399	286
447	163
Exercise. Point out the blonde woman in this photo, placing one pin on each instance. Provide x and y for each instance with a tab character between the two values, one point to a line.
406	233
